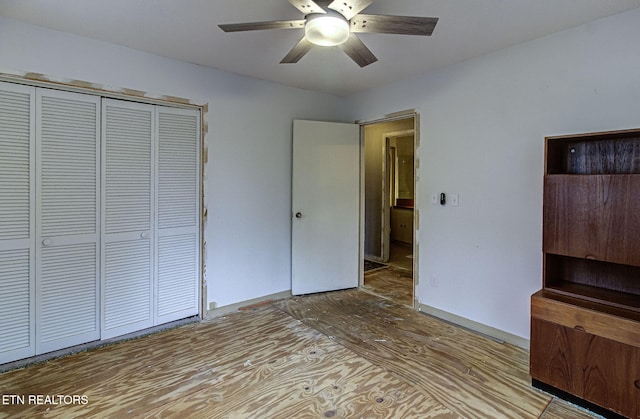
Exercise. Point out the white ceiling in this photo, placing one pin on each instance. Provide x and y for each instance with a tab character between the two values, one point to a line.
187	30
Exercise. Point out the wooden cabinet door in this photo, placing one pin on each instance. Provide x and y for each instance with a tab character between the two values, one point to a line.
552	356
396	225
593	217
608	373
402	225
591	367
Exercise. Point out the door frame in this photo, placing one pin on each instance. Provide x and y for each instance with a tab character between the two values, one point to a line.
411	113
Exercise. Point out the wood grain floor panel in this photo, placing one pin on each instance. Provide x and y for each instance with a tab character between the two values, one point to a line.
262	364
157	368
345	354
393	283
324	380
450	364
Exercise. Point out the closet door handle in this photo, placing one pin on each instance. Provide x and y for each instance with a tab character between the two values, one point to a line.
144	235
47	242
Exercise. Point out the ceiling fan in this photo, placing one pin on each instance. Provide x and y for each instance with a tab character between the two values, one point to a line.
330	23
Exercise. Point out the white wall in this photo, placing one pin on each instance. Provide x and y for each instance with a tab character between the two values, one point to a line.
248	177
482	125
482	128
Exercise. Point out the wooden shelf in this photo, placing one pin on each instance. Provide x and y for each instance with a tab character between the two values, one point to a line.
602	296
587	316
611	278
600	153
595	306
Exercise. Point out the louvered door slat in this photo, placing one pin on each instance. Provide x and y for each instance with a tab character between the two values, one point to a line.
67	311
128	286
177	169
68	292
15	305
68	166
127	217
177	269
17	222
128	161
178	213
15	163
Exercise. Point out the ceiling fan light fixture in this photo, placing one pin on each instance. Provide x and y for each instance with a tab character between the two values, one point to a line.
326	30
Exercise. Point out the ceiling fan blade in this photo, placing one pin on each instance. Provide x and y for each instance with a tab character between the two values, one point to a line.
401	25
255	26
358	51
349	8
297	52
307	6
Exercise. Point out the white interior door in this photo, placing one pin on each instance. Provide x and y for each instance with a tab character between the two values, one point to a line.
325	206
68	161
17	222
127	217
178	218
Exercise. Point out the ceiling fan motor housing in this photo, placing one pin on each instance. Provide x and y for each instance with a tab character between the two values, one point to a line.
326	29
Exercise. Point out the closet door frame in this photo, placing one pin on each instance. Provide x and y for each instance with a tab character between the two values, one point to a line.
34	241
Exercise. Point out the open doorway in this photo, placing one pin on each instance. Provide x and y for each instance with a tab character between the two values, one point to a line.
388	184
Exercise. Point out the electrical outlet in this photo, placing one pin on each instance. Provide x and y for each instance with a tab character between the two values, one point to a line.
454	199
434	281
435	200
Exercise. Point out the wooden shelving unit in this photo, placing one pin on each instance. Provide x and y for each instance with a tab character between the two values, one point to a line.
585	322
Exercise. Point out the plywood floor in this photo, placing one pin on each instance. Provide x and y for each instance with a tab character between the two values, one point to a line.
393	283
345	354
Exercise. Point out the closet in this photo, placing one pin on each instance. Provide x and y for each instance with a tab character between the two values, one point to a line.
99	218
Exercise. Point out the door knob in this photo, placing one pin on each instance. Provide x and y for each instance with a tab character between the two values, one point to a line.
47	242
144	235
298	215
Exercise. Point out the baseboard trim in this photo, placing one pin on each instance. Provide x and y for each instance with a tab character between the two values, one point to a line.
482	329
224	310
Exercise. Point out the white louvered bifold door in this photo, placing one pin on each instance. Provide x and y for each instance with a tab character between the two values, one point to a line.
178	213
67	134
128	236
17	217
